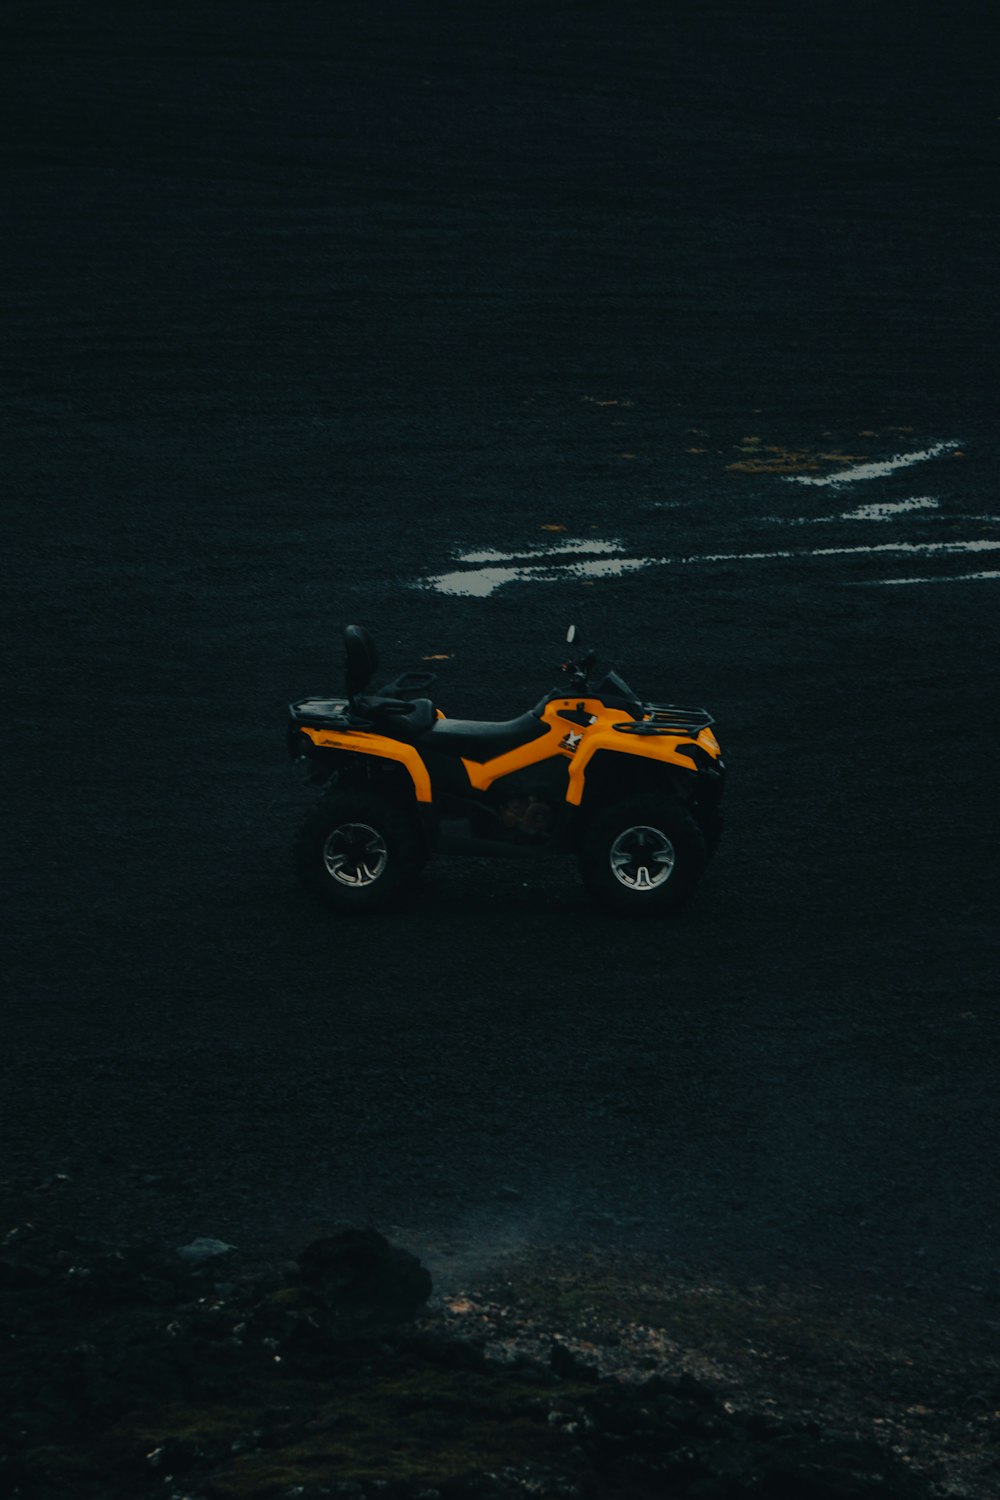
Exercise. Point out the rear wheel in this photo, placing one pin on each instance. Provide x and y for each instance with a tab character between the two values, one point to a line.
643	855
357	851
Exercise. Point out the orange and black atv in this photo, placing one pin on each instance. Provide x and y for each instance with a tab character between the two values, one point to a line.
632	788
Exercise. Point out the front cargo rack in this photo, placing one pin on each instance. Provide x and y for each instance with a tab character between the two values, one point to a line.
670	716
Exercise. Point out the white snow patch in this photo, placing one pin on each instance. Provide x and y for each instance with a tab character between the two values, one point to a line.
829	552
479	583
938	578
610	567
880	510
884	510
877	470
555	549
981	545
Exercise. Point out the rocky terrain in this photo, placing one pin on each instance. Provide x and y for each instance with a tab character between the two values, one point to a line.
148	1371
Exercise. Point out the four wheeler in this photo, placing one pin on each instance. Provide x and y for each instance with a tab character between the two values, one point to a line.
632	788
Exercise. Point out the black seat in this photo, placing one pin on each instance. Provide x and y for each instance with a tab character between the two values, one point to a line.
396	718
474	740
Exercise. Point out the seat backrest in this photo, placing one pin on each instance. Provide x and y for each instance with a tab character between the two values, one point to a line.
360	659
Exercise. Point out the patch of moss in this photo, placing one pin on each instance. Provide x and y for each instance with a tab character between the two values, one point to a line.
289	1296
205	1424
774	458
64	1470
425	1424
780	463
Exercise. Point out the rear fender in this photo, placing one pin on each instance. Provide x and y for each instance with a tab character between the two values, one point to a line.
361	756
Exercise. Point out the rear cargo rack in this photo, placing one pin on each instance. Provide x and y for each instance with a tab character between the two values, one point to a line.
321	713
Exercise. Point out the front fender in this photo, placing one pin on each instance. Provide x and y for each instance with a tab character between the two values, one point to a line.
663	748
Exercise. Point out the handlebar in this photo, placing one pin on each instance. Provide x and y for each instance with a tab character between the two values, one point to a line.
579	671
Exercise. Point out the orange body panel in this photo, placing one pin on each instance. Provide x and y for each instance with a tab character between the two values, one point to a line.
580	743
376	744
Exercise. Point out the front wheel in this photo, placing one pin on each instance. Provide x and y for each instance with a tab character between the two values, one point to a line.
357	851
643	855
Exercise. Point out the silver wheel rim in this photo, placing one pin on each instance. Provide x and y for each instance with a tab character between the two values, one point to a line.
355	855
642	858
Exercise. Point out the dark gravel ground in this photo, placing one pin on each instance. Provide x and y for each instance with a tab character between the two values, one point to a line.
301	304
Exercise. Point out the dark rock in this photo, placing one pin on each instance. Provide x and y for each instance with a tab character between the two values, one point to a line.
17	1275
446	1353
365	1279
308	1334
199	1251
688	1386
569	1365
531	1371
175	1455
31	1257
